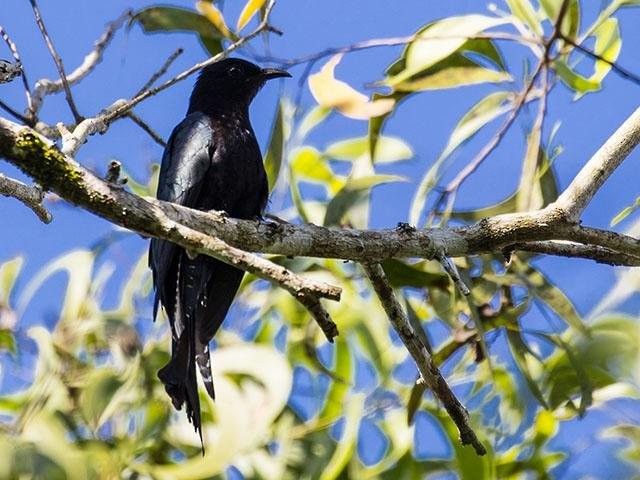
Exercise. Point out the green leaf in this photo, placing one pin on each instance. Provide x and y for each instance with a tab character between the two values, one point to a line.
353	411
343	368
355	191
541	287
311	120
174	19
479	115
7	339
388	150
522	355
309	164
415	400
454	71
296	196
275	152
533	158
438	41
586	389
78	265
377	123
608	45
573	80
102	386
525	12
417	275
508	205
249	10
9	272
571	21
626	212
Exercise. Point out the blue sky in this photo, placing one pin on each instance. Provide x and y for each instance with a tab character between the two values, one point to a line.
309	26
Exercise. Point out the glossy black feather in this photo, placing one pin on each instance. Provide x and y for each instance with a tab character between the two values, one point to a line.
212	161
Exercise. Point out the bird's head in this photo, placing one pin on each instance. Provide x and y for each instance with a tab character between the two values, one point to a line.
231	82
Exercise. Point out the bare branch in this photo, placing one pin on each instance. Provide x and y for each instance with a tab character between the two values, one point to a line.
16	55
452	271
57	60
603	163
614	66
45	86
144	126
128	105
576	250
31	196
452	187
424	361
396	41
61	173
160	72
13	113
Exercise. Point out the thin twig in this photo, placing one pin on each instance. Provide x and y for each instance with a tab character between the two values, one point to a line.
45	86
141	123
450	191
576	250
452	271
128	105
57	60
14	51
424	361
392	42
534	139
14	113
160	72
614	66
30	196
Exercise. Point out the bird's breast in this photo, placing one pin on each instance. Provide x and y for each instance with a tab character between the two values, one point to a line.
235	181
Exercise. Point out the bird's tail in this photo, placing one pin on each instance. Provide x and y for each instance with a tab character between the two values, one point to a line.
179	375
203	360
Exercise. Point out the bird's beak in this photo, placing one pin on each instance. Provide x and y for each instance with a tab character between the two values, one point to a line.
269	73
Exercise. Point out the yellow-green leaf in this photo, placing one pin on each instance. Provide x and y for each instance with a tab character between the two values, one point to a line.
275	151
352	193
573	80
249	10
174	19
332	93
388	150
479	115
309	164
525	12
211	13
9	272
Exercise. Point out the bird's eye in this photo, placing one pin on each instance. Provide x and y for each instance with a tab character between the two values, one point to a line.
235	72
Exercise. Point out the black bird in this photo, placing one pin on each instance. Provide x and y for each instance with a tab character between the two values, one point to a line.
212	162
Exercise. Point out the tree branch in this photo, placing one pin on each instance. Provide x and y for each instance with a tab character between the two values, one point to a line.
30	196
424	361
68	179
56	171
58	61
46	87
605	161
16	55
576	250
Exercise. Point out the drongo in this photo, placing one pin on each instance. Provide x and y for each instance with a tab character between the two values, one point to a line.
212	162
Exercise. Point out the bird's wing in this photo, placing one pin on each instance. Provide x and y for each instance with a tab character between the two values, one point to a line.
185	163
184	168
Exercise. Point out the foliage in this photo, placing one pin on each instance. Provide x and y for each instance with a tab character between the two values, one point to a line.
289	405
